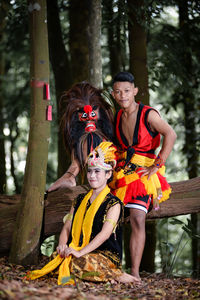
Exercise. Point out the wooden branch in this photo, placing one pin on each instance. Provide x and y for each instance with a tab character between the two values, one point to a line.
185	199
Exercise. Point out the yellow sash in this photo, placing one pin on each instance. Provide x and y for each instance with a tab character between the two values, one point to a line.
83	222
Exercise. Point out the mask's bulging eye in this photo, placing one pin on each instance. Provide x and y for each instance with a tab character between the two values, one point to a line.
84	115
93	114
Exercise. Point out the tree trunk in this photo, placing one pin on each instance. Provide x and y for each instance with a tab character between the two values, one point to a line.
121	35
94	39
62	74
191	136
114	26
137	46
26	236
113	54
78	40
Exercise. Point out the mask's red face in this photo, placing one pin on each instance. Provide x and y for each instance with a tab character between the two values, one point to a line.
90	116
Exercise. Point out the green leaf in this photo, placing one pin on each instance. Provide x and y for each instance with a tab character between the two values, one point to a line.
163	221
188	231
175	221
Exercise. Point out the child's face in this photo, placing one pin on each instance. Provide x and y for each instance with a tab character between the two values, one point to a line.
97	177
124	93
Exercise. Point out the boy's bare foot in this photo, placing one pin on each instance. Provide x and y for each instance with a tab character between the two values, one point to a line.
136	275
127	278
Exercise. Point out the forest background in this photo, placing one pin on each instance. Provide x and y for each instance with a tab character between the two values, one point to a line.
158	41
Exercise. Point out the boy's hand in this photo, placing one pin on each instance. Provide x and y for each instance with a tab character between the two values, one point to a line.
66	181
148	171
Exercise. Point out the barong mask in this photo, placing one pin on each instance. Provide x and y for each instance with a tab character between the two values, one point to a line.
87	120
90	116
103	157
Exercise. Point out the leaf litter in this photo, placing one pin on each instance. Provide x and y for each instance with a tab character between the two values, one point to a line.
13	285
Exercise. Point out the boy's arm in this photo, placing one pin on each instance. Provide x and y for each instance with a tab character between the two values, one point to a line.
169	137
69	178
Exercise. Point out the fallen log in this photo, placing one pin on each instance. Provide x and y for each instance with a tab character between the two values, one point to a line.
185	199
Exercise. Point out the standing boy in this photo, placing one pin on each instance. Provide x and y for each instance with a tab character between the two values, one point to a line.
138	180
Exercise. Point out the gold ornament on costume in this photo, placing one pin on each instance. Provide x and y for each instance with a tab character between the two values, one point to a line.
103	156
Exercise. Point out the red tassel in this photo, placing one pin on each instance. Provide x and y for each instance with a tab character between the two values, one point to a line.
49	113
46	92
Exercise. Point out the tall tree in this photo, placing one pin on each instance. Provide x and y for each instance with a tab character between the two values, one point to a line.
138	48
115	22
26	236
108	20
94	39
78	39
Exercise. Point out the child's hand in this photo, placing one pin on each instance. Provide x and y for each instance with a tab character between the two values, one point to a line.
61	250
71	251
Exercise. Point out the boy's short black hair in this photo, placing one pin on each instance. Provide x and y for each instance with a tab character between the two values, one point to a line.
123	76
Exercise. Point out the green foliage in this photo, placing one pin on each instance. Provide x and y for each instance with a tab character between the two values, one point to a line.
14	50
172	251
173	75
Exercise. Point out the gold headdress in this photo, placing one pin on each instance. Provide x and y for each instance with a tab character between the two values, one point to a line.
103	156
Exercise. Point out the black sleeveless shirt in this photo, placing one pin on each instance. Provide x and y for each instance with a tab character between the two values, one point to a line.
112	247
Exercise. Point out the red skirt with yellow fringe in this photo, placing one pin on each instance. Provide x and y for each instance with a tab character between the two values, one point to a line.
128	185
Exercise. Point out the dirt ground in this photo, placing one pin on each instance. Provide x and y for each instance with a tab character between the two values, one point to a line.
154	286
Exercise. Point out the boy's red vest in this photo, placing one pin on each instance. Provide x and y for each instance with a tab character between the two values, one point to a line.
145	141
